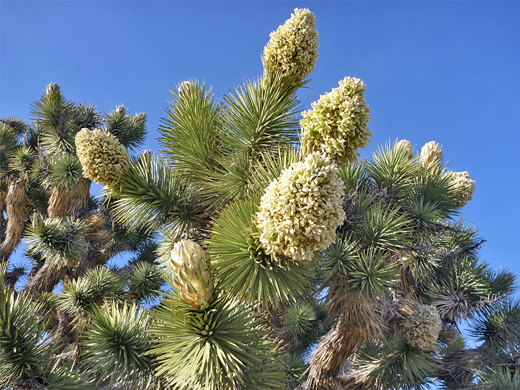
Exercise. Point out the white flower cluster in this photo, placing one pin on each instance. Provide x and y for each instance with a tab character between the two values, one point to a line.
422	327
431	155
191	276
101	155
301	210
293	47
337	124
464	187
406	146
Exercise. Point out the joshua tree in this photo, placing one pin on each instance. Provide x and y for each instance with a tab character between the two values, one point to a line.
273	240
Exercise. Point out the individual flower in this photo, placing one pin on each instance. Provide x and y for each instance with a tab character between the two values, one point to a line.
463	187
293	47
101	155
422	327
431	155
406	146
301	210
337	124
191	276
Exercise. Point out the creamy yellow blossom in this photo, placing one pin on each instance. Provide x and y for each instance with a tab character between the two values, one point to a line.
422	327
191	276
337	124
431	155
405	145
463	186
301	210
293	47
101	155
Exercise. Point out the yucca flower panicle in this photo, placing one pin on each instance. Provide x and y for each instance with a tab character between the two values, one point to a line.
337	124
463	187
292	50
300	211
431	155
422	327
102	156
191	275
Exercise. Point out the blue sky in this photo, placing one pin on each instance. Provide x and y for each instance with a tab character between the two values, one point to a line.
444	71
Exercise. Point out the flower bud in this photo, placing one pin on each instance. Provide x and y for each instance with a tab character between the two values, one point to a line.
431	155
191	276
52	88
406	146
121	110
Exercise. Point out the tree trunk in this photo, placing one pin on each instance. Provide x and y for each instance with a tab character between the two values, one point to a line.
342	341
17	206
46	278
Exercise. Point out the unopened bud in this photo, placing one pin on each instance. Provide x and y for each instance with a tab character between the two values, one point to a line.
52	88
121	110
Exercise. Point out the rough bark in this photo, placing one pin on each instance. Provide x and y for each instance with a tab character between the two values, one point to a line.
351	331
64	203
79	199
58	203
17	206
3	194
46	278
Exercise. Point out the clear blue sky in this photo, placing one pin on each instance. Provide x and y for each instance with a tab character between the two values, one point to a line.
444	71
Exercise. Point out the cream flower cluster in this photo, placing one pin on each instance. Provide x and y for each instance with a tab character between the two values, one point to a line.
422	327
101	155
464	187
293	47
406	146
337	124
191	276
431	155
301	210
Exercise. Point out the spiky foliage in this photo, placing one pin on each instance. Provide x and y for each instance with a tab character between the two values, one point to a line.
116	343
398	250
242	266
59	241
145	280
218	347
151	196
93	288
297	273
